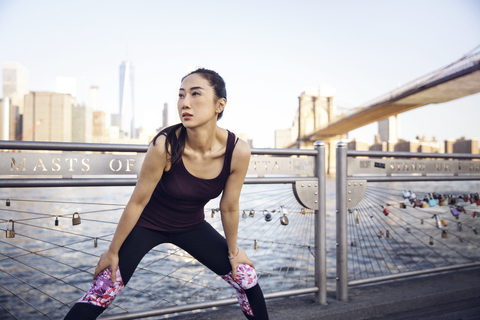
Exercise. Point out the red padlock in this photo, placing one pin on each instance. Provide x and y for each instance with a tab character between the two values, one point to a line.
385	210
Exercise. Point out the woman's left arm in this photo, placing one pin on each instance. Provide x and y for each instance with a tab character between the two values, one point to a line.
229	204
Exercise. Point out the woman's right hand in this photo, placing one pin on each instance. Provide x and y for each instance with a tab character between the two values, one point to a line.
107	259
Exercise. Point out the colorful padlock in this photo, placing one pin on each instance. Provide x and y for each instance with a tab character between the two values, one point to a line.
385	210
455	212
441	220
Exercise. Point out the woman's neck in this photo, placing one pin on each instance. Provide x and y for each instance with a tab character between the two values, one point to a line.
201	139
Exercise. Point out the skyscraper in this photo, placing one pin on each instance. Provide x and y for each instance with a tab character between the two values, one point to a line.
389	129
165	115
15	86
48	117
127	99
82	123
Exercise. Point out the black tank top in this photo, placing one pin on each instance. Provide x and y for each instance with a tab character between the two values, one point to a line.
178	201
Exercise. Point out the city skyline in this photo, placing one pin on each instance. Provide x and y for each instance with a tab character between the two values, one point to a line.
362	50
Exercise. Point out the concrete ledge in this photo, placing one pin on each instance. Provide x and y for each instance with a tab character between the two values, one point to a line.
368	301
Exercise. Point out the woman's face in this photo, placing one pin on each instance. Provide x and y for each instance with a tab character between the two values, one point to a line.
197	103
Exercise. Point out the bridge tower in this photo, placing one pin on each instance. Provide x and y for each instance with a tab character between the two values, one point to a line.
316	109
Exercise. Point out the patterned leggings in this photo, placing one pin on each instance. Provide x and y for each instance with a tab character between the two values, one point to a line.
203	242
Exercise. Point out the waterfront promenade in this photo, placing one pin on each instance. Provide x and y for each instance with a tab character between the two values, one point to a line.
449	295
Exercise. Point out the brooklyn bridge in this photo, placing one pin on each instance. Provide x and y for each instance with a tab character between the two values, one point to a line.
316	117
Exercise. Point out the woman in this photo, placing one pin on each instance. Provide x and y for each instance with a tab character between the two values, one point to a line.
186	165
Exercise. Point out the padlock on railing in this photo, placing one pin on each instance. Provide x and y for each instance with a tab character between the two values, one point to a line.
475	230
455	212
461	209
444	234
283	219
95	242
444	223
388	233
476	199
406	194
432	202
442	201
459	226
417	203
370	212
431	241
244	215
10	232
437	221
356	218
268	217
56	221
213	213
252	213
7	203
76	219
403	205
255	245
452	200
385	210
303	211
425	204
466	198
421	221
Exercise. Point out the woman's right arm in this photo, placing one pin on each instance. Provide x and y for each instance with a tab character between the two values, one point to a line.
152	169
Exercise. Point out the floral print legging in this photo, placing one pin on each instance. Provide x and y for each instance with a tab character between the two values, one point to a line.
203	242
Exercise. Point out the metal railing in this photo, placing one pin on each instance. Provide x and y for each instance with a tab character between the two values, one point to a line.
115	179
352	176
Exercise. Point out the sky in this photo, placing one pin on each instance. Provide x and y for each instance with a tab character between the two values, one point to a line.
268	52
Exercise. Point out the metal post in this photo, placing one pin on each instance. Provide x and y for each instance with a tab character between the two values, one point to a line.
320	227
342	240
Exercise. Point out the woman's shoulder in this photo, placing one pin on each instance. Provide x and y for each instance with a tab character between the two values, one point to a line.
241	153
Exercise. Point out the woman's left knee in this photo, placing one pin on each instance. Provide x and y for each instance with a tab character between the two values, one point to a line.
246	276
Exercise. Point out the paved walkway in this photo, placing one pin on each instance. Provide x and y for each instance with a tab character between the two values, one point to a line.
449	295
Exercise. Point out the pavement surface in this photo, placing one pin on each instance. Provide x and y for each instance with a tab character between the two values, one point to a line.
448	295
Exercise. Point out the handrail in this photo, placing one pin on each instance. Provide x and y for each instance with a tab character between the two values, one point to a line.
387	154
111	147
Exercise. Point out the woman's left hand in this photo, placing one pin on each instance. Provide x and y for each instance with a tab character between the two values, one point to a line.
240	258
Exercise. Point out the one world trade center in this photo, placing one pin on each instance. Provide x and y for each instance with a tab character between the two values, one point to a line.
127	125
